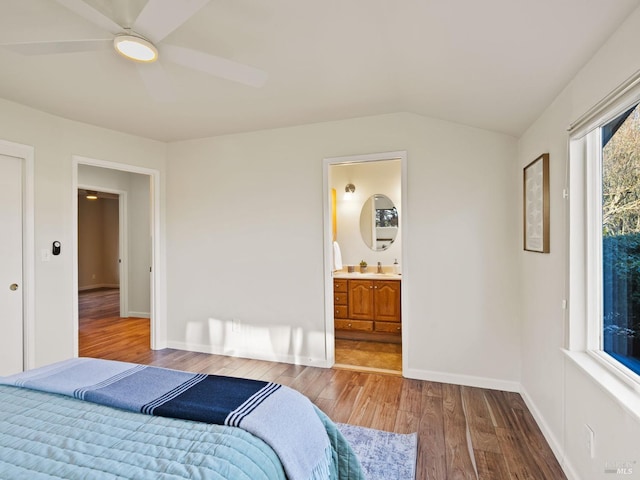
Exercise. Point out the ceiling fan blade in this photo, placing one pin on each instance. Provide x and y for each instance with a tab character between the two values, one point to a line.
157	81
161	17
54	48
216	66
89	13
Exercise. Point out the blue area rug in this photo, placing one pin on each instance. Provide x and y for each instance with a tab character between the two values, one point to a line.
383	455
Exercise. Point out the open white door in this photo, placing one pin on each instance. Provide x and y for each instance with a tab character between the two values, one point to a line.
11	284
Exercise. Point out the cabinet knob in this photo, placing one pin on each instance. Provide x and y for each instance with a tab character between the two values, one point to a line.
375	286
398	328
349	325
370	286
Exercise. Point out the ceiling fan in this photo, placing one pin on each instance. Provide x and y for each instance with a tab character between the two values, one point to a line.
139	43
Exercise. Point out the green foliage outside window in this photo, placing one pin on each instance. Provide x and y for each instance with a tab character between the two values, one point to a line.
621	238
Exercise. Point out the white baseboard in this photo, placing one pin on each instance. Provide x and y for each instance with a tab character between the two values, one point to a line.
468	380
556	446
139	314
254	355
98	285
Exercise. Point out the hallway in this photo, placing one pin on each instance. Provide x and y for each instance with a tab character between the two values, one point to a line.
103	333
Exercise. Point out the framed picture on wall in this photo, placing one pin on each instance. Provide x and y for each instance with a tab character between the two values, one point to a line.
536	205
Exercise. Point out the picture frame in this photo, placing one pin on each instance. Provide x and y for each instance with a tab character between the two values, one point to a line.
536	208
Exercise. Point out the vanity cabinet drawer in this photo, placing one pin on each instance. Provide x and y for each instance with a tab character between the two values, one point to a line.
340	286
388	327
340	298
360	325
340	311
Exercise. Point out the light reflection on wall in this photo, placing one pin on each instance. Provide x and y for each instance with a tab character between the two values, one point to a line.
280	343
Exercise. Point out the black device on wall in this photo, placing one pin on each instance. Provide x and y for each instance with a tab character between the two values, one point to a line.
56	248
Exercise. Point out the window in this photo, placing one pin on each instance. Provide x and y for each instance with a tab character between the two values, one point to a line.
604	219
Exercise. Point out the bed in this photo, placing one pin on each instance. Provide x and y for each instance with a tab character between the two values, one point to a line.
99	419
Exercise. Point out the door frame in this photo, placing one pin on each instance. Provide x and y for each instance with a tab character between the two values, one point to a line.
330	345
157	314
26	153
123	250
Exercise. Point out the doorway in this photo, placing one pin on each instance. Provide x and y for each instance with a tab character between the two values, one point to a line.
101	239
127	263
364	221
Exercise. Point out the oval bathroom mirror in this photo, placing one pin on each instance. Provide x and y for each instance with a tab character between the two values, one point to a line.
378	222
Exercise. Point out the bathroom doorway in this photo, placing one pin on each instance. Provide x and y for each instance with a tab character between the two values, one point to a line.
363	225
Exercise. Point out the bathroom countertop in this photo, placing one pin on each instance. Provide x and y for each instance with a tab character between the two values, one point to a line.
368	276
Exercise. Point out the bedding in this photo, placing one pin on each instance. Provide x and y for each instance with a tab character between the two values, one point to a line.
47	436
306	442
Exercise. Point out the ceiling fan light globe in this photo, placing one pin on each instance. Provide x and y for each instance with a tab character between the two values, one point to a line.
135	48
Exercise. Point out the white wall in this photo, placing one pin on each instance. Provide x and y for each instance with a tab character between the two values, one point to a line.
563	396
369	178
140	240
56	140
111	229
245	236
98	243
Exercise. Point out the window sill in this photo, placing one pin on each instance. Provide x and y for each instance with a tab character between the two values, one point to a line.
622	392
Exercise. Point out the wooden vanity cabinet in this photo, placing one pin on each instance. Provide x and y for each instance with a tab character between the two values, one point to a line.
374	300
340	296
361	299
367	306
341	310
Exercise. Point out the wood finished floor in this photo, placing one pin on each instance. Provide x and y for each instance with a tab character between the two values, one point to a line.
370	355
464	432
99	303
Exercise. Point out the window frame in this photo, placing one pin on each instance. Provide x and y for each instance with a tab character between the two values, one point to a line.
585	234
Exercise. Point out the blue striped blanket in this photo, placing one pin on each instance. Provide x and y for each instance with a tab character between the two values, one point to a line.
282	417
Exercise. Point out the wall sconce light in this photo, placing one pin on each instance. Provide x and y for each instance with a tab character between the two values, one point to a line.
349	191
91	195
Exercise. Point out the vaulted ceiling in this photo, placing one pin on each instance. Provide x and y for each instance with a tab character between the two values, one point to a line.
492	64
